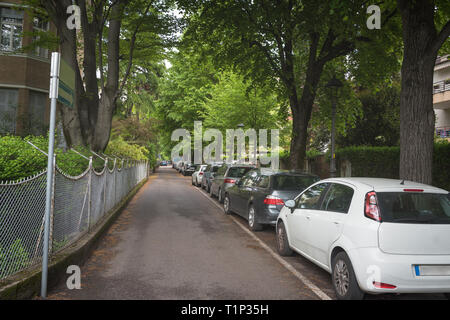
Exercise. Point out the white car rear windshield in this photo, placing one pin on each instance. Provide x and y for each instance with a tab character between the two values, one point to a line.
412	207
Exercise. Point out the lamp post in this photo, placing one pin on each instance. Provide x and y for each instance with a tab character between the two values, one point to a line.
334	84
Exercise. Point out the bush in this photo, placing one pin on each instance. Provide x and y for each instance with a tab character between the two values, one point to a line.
122	149
14	259
19	160
383	162
380	162
441	165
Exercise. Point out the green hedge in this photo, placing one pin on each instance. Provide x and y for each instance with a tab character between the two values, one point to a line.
383	162
19	160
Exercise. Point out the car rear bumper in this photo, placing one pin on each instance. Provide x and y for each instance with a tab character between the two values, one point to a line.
268	216
371	264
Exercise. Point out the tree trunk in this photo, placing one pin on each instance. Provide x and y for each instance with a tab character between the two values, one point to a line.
301	114
416	120
69	116
416	100
89	122
107	104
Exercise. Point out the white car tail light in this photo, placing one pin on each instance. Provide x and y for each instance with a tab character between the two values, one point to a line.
371	209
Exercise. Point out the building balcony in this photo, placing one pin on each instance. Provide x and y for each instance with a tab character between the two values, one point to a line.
443	132
441	94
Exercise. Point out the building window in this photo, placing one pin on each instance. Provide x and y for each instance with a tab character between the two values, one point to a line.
11	23
40	25
36	111
8	107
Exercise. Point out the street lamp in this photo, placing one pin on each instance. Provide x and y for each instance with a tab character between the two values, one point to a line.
334	84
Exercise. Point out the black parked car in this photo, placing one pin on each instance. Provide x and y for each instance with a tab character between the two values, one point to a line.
261	193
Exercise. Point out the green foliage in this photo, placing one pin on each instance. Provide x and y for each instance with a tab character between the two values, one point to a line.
122	149
348	107
152	155
378	124
13	259
19	160
232	101
57	245
194	90
383	162
441	165
380	162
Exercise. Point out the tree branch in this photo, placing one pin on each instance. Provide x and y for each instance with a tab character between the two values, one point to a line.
132	46
270	59
440	38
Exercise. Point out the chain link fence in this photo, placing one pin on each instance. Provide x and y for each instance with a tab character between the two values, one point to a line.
78	204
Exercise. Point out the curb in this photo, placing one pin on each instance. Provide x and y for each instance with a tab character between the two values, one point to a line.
27	284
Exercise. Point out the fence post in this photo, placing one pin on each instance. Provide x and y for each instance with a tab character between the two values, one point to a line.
90	193
114	179
105	186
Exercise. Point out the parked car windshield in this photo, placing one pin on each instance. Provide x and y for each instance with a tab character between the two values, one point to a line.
238	172
285	182
405	207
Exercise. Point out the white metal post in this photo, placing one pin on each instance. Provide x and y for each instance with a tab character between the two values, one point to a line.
54	83
91	168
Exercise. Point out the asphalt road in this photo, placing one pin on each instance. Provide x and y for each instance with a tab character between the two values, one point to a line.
174	242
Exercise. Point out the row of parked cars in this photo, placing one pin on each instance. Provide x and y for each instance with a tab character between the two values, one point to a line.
373	235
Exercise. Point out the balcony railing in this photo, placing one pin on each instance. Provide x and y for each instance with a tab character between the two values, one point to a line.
441	86
443	132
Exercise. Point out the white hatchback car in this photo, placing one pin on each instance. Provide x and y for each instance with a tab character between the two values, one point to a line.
373	235
197	176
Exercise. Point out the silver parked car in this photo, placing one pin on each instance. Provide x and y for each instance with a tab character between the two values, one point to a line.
209	174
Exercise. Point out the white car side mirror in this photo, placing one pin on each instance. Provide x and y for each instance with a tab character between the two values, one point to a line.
290	204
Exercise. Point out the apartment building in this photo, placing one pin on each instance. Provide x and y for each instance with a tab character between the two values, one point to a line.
441	96
24	74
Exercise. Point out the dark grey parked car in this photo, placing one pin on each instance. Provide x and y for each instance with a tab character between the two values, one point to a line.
226	177
261	193
208	174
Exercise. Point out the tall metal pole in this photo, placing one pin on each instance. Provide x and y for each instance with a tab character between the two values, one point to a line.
54	83
333	84
333	137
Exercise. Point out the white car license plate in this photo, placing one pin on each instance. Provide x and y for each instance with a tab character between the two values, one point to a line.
432	270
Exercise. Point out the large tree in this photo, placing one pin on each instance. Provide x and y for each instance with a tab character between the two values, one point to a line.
96	54
281	40
426	27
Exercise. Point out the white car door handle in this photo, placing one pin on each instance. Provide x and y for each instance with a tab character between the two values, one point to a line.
308	217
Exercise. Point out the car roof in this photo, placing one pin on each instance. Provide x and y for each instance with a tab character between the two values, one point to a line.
236	165
378	184
270	172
